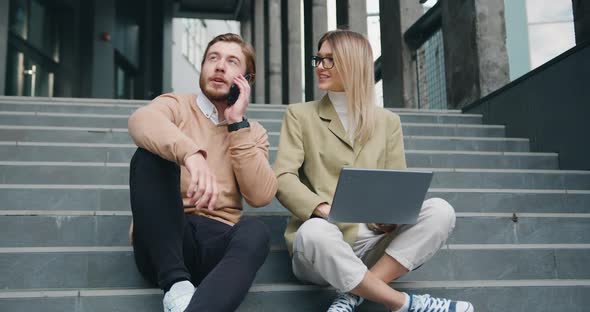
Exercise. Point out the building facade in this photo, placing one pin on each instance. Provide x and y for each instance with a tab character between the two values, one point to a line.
138	49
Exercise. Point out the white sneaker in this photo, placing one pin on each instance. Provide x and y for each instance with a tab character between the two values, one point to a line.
427	303
178	297
346	302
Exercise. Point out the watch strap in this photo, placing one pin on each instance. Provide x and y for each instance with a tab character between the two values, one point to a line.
238	125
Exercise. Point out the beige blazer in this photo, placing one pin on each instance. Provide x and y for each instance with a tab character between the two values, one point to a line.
314	147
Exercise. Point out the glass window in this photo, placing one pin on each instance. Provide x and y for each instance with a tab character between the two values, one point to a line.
549	40
543	11
124	82
551	29
37	24
19	17
34	21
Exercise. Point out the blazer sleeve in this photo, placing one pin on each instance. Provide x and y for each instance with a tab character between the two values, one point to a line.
292	193
396	157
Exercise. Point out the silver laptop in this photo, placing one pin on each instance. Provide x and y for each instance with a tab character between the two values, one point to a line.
379	196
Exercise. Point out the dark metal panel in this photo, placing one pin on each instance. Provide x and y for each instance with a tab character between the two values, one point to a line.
218	9
4	9
549	106
581	20
425	27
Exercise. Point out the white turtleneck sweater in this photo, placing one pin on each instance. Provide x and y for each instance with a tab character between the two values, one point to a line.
340	103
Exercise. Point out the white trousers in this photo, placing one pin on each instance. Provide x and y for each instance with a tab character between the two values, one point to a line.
322	257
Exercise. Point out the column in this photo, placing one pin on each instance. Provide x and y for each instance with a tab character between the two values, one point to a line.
320	27
357	16
294	50
260	47
476	60
398	67
167	38
246	26
275	83
103	61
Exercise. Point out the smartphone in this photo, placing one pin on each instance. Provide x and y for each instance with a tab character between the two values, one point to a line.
234	92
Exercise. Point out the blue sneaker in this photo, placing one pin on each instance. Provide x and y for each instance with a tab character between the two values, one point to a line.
346	302
427	303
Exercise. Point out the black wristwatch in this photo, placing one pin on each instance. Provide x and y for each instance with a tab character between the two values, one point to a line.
238	125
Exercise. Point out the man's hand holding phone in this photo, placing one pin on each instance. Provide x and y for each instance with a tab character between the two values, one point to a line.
235	112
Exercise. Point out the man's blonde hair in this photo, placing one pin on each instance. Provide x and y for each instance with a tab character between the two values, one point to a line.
353	58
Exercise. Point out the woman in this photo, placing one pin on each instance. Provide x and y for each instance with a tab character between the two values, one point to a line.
346	129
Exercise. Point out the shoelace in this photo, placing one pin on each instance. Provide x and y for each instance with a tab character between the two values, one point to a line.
344	303
426	303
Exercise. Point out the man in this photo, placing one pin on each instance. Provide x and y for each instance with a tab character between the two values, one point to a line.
197	159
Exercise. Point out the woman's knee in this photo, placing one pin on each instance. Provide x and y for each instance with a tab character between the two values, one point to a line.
441	213
314	233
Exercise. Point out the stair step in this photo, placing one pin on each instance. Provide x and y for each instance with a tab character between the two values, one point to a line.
106	103
117	173
116	197
271	125
521	227
47	151
84	229
27	268
487	296
85	135
66	116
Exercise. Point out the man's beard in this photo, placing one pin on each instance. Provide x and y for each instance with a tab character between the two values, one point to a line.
212	95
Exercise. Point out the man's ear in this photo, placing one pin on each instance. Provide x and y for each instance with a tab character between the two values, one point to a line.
250	78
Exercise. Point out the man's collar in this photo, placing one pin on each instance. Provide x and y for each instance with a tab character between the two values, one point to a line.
208	108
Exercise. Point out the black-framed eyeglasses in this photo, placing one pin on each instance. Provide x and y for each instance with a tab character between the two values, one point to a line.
327	62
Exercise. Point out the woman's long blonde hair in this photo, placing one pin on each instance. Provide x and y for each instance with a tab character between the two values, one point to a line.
353	58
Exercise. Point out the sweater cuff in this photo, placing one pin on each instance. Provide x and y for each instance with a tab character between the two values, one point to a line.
188	149
240	137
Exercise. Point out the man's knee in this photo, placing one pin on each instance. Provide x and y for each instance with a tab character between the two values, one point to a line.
147	166
145	159
254	235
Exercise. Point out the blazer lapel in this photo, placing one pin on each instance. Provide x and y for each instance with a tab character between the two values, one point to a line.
328	113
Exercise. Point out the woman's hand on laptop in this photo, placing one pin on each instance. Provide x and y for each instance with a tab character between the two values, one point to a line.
322	210
386	228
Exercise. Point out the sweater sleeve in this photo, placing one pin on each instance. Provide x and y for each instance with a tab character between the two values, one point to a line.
249	158
155	127
292	193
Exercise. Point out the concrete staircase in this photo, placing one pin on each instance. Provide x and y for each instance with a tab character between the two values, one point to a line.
522	240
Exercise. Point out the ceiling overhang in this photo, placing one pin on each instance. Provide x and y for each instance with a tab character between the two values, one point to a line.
210	9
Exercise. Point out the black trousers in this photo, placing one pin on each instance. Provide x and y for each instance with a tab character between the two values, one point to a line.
169	246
